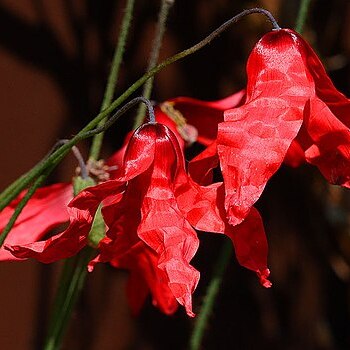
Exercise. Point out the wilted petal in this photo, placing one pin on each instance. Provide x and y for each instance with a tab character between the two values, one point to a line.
164	228
330	149
145	277
250	244
70	241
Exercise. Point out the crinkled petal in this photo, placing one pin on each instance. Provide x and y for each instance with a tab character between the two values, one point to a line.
250	244
254	138
330	149
46	210
163	226
70	241
145	277
203	207
337	102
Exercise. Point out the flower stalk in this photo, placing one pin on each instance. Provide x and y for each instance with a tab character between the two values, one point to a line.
153	59
70	286
201	322
302	14
113	75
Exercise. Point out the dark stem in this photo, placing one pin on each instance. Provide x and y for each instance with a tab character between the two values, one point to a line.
120	112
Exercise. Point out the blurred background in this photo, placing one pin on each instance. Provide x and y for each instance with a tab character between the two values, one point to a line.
54	61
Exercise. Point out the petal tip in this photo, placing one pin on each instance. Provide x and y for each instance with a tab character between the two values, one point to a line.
263	278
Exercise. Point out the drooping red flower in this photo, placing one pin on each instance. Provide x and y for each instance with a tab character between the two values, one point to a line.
146	177
292	113
254	138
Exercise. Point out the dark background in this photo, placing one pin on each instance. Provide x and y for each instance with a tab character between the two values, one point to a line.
54	61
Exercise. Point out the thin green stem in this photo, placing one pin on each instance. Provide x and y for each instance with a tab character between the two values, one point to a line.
16	187
209	300
153	59
302	14
113	75
71	283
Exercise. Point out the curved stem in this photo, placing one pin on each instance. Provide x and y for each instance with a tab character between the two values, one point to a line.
120	112
153	59
302	14
17	186
114	73
201	322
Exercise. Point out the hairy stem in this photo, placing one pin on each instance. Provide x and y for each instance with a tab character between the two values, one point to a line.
153	59
113	75
302	14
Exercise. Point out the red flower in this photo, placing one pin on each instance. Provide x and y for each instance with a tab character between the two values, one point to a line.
291	105
254	138
142	195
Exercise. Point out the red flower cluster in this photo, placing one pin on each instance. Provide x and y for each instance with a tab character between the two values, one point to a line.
152	206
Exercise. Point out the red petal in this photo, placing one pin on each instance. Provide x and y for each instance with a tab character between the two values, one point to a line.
201	167
163	226
123	249
205	115
250	244
145	277
44	211
254	138
295	155
330	149
337	102
81	211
